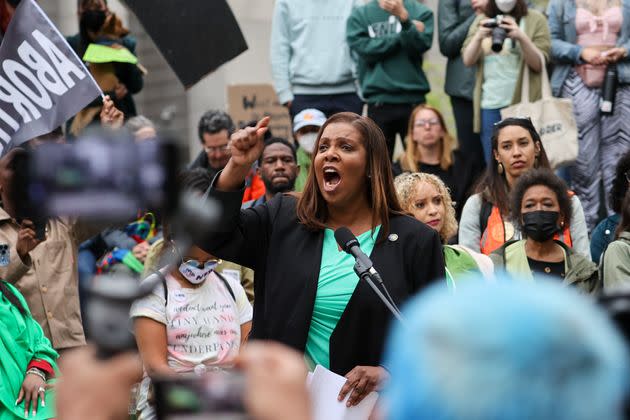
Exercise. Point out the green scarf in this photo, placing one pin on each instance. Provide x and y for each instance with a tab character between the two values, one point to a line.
304	160
459	264
21	341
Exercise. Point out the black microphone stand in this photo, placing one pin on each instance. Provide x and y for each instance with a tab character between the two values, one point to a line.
366	273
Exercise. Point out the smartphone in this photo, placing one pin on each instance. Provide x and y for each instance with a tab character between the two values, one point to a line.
216	395
40	229
39	226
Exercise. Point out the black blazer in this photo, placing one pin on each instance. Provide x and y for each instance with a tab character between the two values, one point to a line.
286	258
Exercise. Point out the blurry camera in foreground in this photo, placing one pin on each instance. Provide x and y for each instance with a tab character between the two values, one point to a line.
217	394
498	33
102	176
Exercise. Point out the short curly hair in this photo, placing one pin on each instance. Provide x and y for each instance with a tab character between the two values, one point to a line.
620	184
406	184
213	121
547	178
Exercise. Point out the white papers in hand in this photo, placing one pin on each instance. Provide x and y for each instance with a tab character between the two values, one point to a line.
324	388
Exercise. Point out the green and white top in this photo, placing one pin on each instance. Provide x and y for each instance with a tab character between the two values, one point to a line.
336	284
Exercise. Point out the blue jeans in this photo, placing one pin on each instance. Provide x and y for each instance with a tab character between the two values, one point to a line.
564	173
488	118
86	262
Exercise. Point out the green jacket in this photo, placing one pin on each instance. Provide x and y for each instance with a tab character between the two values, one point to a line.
580	272
304	162
615	263
389	53
21	341
537	30
454	20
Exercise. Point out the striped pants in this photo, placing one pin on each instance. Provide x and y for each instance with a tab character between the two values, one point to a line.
602	141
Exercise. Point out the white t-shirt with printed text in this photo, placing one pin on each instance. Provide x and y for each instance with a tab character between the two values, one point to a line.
203	325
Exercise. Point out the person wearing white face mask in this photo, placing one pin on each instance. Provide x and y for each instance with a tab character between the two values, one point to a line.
306	125
504	42
195	323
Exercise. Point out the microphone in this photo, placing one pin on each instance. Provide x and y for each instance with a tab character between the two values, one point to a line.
364	267
350	244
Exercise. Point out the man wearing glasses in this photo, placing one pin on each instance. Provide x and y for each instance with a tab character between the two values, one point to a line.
215	129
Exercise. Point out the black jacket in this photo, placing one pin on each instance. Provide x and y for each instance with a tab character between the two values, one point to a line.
460	177
286	258
201	161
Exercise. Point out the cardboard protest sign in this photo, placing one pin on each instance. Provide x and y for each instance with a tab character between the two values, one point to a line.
252	102
42	81
194	36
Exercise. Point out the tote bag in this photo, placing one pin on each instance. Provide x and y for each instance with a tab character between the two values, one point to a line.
552	117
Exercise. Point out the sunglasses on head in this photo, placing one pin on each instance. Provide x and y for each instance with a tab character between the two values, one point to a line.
523	119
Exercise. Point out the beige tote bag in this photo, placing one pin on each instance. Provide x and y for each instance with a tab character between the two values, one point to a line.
552	117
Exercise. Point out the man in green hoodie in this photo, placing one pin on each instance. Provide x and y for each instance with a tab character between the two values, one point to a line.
388	38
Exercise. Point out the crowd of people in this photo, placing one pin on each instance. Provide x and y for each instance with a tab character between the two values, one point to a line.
471	230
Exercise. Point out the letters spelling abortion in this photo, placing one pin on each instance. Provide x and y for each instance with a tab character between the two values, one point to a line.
52	76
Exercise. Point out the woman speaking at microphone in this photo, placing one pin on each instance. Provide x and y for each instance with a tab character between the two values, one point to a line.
306	292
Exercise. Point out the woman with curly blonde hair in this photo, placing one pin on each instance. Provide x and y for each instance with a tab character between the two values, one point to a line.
426	197
432	149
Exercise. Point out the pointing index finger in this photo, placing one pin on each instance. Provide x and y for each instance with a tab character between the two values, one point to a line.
262	123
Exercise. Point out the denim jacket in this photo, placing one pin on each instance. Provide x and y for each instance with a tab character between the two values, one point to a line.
565	52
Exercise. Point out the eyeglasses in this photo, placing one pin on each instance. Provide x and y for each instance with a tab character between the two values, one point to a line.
431	121
212	149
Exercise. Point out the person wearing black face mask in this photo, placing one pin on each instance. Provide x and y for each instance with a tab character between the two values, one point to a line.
541	207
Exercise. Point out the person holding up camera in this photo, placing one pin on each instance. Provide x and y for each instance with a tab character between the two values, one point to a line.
39	257
504	42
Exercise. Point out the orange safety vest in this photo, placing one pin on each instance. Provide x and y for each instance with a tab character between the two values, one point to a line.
254	187
494	234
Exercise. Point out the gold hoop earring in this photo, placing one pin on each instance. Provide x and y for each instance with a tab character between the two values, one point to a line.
500	168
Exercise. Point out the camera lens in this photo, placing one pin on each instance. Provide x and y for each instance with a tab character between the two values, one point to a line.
498	36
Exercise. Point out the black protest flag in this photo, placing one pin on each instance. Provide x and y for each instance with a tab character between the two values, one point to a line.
42	81
194	36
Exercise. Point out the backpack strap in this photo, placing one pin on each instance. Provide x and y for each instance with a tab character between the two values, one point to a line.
219	275
484	215
163	282
227	284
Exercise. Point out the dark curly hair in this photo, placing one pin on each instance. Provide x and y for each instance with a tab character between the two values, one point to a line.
213	121
620	184
275	140
548	179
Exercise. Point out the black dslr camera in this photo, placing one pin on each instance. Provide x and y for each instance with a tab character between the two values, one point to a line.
498	33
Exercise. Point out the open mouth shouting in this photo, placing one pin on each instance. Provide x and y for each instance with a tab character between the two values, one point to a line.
331	178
